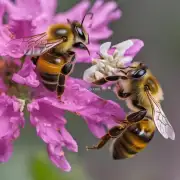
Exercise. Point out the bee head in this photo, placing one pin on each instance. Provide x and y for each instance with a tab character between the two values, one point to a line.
81	36
137	71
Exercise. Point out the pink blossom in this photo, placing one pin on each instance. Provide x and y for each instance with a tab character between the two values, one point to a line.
100	112
10	122
26	75
48	119
33	17
56	155
6	150
46	112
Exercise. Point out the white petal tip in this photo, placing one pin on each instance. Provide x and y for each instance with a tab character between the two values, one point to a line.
172	137
104	48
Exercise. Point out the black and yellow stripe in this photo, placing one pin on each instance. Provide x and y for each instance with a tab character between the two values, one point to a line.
49	80
49	70
133	140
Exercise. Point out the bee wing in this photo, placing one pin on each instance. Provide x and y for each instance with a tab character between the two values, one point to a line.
160	119
32	45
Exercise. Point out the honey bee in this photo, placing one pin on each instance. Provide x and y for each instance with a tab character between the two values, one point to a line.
142	92
52	53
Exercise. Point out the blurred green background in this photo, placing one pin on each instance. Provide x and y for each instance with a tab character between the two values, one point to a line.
157	23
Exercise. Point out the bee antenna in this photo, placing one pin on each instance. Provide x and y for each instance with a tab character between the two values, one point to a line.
90	13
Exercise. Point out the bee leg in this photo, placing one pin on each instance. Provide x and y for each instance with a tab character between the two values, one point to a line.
68	67
112	133
60	85
65	71
137	116
106	79
122	94
102	142
117	130
35	60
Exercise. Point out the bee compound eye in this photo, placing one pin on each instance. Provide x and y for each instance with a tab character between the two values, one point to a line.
73	58
139	73
80	33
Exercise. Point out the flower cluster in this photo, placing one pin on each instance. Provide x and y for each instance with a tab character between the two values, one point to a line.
22	91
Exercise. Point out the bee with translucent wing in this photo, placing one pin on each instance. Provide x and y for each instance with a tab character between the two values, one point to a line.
142	93
52	52
160	119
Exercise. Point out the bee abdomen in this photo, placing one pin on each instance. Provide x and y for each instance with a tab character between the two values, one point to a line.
132	141
124	147
49	80
120	150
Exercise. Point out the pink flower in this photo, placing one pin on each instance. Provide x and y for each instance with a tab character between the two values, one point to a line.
100	112
6	150
56	155
47	116
33	17
46	112
10	122
26	76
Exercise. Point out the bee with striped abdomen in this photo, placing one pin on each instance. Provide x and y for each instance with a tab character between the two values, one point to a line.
52	51
142	92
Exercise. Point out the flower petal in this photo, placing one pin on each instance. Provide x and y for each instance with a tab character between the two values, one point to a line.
2	10
133	50
101	33
46	114
56	155
6	150
3	87
97	129
81	101
47	111
76	13
103	13
26	76
68	140
48	7
95	110
129	47
10	122
83	56
47	133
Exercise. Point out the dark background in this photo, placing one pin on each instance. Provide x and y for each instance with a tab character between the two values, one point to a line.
157	23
